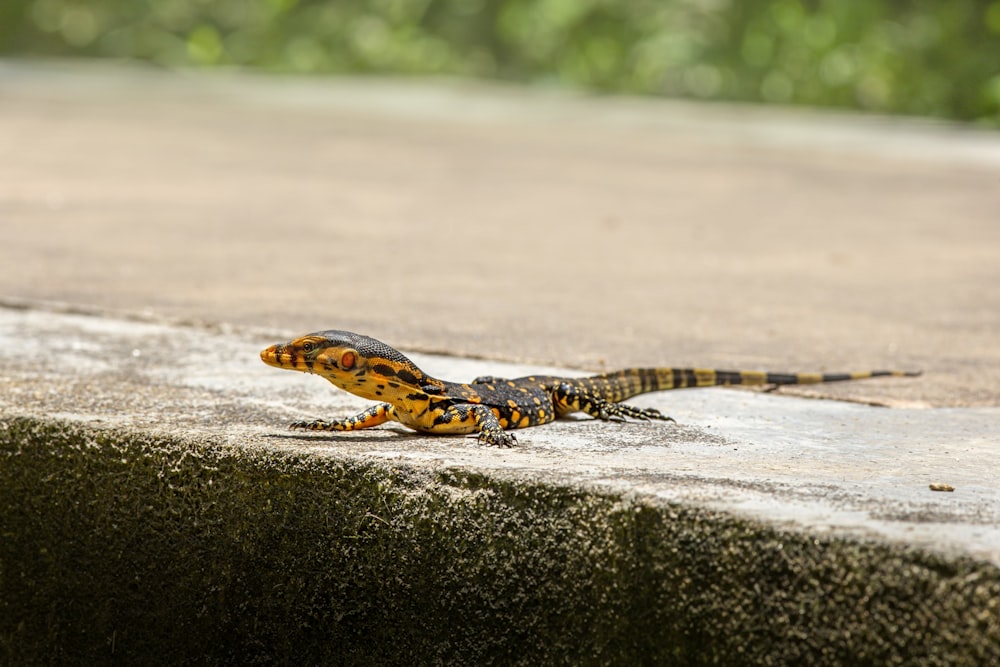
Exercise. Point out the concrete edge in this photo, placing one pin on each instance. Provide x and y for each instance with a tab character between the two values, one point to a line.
129	545
811	392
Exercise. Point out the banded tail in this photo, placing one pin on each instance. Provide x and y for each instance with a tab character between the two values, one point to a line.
623	384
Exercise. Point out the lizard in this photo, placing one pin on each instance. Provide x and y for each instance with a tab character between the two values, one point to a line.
491	406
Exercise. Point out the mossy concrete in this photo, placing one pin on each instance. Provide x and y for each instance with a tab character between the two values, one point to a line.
155	509
126	547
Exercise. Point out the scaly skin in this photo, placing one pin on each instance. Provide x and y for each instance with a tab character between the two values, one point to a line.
488	406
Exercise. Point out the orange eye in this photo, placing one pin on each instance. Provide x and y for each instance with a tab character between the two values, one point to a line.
348	360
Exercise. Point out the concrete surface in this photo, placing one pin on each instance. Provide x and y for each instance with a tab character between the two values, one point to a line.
822	466
508	223
158	511
157	229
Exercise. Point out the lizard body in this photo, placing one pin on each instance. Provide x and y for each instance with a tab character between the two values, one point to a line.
489	406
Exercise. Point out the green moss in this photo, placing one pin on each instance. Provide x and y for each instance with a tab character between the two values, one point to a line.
118	545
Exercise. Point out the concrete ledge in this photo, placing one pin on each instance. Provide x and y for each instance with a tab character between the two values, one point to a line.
153	509
150	549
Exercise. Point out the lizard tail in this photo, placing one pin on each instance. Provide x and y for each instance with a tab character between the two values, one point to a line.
634	381
678	378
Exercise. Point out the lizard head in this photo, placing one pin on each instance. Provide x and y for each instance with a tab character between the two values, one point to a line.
359	364
323	352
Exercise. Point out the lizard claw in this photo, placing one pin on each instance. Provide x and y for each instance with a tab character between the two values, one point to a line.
497	438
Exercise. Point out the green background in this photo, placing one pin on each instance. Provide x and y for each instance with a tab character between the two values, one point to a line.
922	57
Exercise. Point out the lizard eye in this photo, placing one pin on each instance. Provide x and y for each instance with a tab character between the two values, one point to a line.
308	347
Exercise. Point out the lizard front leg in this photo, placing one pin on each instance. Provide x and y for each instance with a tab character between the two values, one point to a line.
373	416
568	398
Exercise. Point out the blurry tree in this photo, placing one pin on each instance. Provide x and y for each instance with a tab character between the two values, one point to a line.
923	57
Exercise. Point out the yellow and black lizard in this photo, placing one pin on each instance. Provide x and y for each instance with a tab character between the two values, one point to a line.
371	369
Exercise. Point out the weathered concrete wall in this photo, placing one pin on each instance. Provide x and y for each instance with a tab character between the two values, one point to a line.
120	546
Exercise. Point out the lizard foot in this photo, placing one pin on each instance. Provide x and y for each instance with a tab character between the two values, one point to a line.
497	438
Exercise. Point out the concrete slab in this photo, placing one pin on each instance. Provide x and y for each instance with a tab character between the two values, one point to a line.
157	510
523	225
823	467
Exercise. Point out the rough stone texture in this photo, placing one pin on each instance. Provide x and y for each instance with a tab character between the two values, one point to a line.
150	549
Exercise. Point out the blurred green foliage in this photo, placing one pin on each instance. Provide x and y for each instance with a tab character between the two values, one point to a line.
925	57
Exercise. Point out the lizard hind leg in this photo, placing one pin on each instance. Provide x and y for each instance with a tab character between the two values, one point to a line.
569	399
373	416
490	430
473	418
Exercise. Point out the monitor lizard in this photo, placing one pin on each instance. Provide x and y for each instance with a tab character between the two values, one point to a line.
488	405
